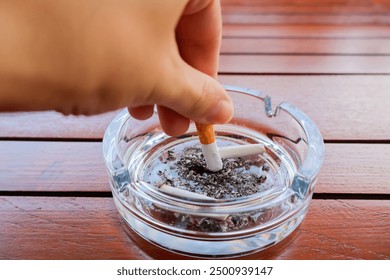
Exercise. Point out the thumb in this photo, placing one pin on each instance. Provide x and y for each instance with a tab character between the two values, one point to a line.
196	96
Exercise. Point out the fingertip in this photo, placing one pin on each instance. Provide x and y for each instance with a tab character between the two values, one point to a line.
172	123
141	112
195	96
222	112
217	106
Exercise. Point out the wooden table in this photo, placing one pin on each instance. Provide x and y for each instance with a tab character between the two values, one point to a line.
330	59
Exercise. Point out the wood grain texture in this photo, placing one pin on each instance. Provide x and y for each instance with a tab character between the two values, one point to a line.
313	3
320	19
330	58
309	46
52	166
308	6
302	64
355	168
79	167
307	31
343	107
54	125
90	228
302	12
289	9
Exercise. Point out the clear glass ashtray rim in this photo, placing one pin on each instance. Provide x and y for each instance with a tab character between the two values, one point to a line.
303	179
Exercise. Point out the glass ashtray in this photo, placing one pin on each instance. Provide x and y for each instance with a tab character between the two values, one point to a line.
253	203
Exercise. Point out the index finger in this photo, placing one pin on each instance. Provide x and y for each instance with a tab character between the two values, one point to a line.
198	35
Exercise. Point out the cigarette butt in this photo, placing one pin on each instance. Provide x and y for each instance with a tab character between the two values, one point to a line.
211	156
209	146
187	194
241	150
183	193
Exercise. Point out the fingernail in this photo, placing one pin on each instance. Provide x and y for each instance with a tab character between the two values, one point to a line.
221	113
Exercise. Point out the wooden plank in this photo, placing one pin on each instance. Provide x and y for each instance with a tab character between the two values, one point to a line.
343	107
305	47
52	166
79	167
268	19
90	228
356	168
380	4
335	229
307	31
301	9
305	12
302	64
54	125
313	3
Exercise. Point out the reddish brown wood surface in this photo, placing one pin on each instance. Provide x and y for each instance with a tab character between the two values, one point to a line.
309	12
330	58
53	125
307	6
251	3
79	167
90	228
343	107
309	46
304	31
356	168
303	64
52	166
296	2
306	19
290	9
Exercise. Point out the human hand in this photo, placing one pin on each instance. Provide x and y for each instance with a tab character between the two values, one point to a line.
89	56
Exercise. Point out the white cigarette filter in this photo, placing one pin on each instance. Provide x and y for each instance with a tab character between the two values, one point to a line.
209	146
183	193
241	150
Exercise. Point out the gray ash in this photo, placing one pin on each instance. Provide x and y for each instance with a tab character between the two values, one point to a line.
186	169
239	176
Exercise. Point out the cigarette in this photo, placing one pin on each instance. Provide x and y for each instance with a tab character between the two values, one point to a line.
183	193
187	194
209	146
241	150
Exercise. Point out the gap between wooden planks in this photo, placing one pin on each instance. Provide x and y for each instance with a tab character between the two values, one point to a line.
90	228
78	169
